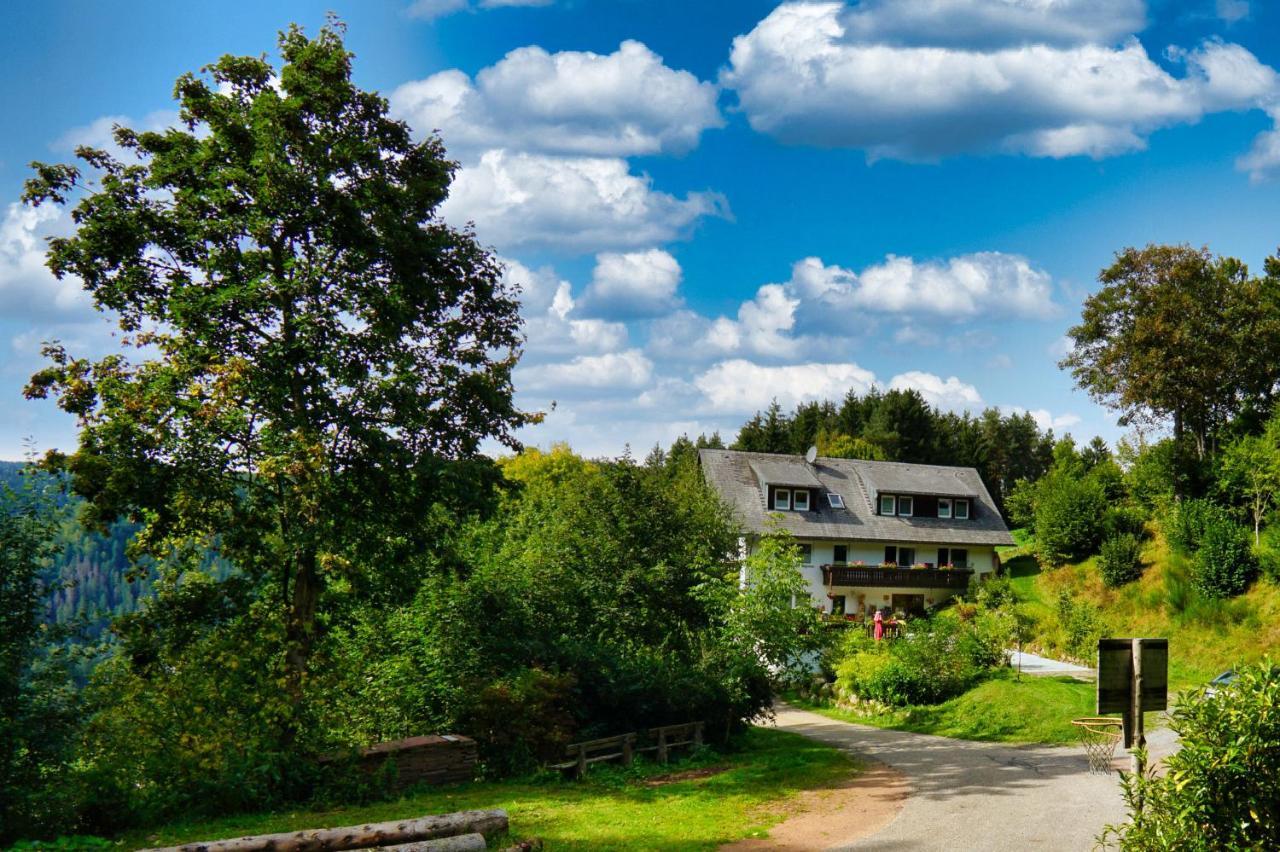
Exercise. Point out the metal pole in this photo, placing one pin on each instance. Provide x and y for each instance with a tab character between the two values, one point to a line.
1139	739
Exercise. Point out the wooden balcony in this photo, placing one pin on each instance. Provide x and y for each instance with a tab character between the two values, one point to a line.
912	578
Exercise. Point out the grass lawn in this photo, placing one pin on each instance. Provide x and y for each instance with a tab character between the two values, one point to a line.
612	809
1000	709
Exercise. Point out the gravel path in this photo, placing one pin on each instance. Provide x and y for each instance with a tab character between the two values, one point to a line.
981	796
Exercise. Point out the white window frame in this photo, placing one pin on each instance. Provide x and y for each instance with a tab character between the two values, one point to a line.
957	513
893	504
910	505
795	500
806	553
834	500
782	499
944	507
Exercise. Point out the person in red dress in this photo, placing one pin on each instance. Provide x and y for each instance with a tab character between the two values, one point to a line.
879	620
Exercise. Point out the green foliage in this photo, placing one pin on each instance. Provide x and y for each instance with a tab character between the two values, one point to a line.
995	594
1250	470
1125	520
1068	517
1218	789
1153	475
1176	334
1224	566
1120	560
1081	625
936	659
523	720
39	707
1186	522
319	356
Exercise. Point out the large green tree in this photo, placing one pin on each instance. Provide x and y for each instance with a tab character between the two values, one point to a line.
1177	335
317	356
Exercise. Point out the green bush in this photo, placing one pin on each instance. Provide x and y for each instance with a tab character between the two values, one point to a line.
995	593
1081	624
1068	518
1120	561
936	659
1185	523
1120	520
1218	790
1224	564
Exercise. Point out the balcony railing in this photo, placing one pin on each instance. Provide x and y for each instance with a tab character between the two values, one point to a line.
914	578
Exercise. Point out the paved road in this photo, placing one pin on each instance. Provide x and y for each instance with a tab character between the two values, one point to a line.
1037	665
980	796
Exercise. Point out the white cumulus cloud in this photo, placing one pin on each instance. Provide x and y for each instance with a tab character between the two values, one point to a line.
948	394
741	386
826	75
629	370
633	285
27	288
570	203
620	104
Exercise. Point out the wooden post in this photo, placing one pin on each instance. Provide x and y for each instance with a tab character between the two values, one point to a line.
626	749
582	761
1135	709
697	735
662	745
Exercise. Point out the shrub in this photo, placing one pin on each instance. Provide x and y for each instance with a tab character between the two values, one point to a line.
1219	789
1224	564
1186	522
522	720
995	593
1121	560
1124	519
937	659
1081	625
1068	513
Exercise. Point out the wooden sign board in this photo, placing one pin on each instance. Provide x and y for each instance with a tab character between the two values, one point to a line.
1115	675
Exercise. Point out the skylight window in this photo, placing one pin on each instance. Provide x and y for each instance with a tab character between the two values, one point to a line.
835	501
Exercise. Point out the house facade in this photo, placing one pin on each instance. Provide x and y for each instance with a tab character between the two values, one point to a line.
873	535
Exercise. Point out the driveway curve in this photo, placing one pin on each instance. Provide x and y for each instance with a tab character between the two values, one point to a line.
971	795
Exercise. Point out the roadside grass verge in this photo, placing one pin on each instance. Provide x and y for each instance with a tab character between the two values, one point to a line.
739	794
999	709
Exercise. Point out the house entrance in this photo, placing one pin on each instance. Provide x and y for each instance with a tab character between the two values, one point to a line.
909	604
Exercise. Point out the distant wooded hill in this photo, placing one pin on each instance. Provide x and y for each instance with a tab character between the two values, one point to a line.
88	573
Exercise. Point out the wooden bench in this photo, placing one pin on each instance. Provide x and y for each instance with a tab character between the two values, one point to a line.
593	751
673	736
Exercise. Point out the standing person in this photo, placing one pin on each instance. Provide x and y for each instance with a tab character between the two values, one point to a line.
879	621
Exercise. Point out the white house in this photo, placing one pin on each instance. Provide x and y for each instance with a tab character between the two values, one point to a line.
872	534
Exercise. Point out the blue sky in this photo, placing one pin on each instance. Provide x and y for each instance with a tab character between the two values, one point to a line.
713	204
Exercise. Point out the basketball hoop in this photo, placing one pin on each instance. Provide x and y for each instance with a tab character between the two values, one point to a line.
1099	735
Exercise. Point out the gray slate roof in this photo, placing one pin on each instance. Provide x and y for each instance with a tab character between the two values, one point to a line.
741	479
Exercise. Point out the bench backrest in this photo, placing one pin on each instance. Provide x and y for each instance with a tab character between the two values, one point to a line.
589	747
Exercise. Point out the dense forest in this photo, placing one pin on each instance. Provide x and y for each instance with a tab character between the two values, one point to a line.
90	577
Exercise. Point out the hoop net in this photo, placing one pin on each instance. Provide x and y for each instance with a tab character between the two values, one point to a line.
1099	735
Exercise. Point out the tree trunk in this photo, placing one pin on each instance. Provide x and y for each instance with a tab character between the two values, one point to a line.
486	823
300	629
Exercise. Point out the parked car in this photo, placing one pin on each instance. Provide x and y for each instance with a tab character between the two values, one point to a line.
1220	682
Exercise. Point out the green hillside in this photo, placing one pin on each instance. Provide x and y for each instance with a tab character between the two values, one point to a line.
1070	607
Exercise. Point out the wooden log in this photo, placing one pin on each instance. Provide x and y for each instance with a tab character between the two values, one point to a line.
486	823
461	843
